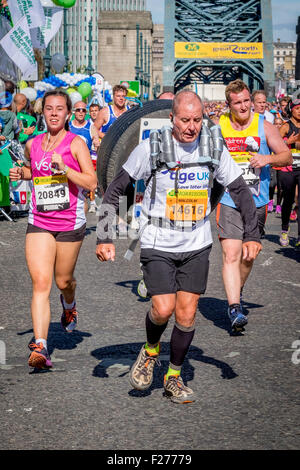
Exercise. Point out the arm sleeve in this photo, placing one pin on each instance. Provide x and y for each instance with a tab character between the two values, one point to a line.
244	203
120	186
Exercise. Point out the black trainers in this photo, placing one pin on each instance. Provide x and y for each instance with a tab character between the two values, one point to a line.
237	318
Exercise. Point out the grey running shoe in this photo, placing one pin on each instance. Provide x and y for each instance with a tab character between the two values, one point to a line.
142	289
177	391
141	373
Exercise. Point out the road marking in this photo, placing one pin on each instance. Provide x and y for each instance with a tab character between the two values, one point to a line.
268	262
233	354
289	282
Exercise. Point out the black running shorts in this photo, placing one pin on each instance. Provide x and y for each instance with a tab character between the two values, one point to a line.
230	223
68	236
166	272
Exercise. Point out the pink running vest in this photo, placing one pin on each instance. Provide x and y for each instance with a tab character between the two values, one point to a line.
71	218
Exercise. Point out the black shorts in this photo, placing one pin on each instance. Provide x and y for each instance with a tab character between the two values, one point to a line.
230	223
167	272
68	236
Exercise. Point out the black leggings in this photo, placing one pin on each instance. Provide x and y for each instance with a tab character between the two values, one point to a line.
273	183
288	182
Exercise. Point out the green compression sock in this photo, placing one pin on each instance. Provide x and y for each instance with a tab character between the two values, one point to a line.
172	372
152	350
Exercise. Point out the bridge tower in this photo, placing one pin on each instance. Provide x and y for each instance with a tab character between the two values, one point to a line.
218	21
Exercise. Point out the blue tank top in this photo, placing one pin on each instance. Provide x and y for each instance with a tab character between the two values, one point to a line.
83	132
112	119
238	143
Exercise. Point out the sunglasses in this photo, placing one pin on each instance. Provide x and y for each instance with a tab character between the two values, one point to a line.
80	110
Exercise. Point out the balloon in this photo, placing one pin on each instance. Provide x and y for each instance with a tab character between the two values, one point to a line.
30	93
75	96
64	3
131	93
71	90
23	84
58	62
85	89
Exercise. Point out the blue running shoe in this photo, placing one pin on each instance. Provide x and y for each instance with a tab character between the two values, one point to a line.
237	318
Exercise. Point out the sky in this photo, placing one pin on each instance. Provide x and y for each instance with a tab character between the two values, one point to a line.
284	14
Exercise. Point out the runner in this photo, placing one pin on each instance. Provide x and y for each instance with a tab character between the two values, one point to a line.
274	182
108	115
259	99
94	111
174	245
83	128
249	138
60	167
289	176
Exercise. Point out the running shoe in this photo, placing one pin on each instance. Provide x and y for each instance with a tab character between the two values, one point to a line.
39	357
237	318
141	373
270	206
293	215
142	289
284	237
177	391
297	244
278	210
69	317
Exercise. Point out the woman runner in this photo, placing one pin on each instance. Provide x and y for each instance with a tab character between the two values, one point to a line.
61	169
289	177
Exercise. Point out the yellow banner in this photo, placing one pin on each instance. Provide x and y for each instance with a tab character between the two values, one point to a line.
219	50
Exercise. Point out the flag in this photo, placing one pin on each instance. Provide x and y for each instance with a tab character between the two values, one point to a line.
17	44
42	36
32	9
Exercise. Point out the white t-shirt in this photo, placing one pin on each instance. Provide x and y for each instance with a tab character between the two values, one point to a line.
269	116
193	197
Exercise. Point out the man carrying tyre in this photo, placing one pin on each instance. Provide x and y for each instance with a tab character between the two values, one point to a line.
175	256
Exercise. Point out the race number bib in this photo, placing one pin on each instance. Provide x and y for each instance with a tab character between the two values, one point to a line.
239	148
51	193
296	158
250	175
187	206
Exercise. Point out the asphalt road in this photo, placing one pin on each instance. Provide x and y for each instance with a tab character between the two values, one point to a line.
247	385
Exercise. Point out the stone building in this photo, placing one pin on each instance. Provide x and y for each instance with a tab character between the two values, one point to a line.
284	60
157	58
117	44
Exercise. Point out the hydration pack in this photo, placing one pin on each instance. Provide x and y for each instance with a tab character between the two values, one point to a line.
162	153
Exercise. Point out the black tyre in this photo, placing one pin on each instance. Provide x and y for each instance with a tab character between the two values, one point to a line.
123	136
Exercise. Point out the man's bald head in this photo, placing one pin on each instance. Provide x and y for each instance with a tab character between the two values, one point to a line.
186	97
20	101
187	116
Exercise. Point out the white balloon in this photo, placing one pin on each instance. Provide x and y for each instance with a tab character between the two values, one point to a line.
30	93
75	96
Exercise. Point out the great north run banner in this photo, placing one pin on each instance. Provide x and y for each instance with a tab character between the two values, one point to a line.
17	44
41	37
219	50
32	9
